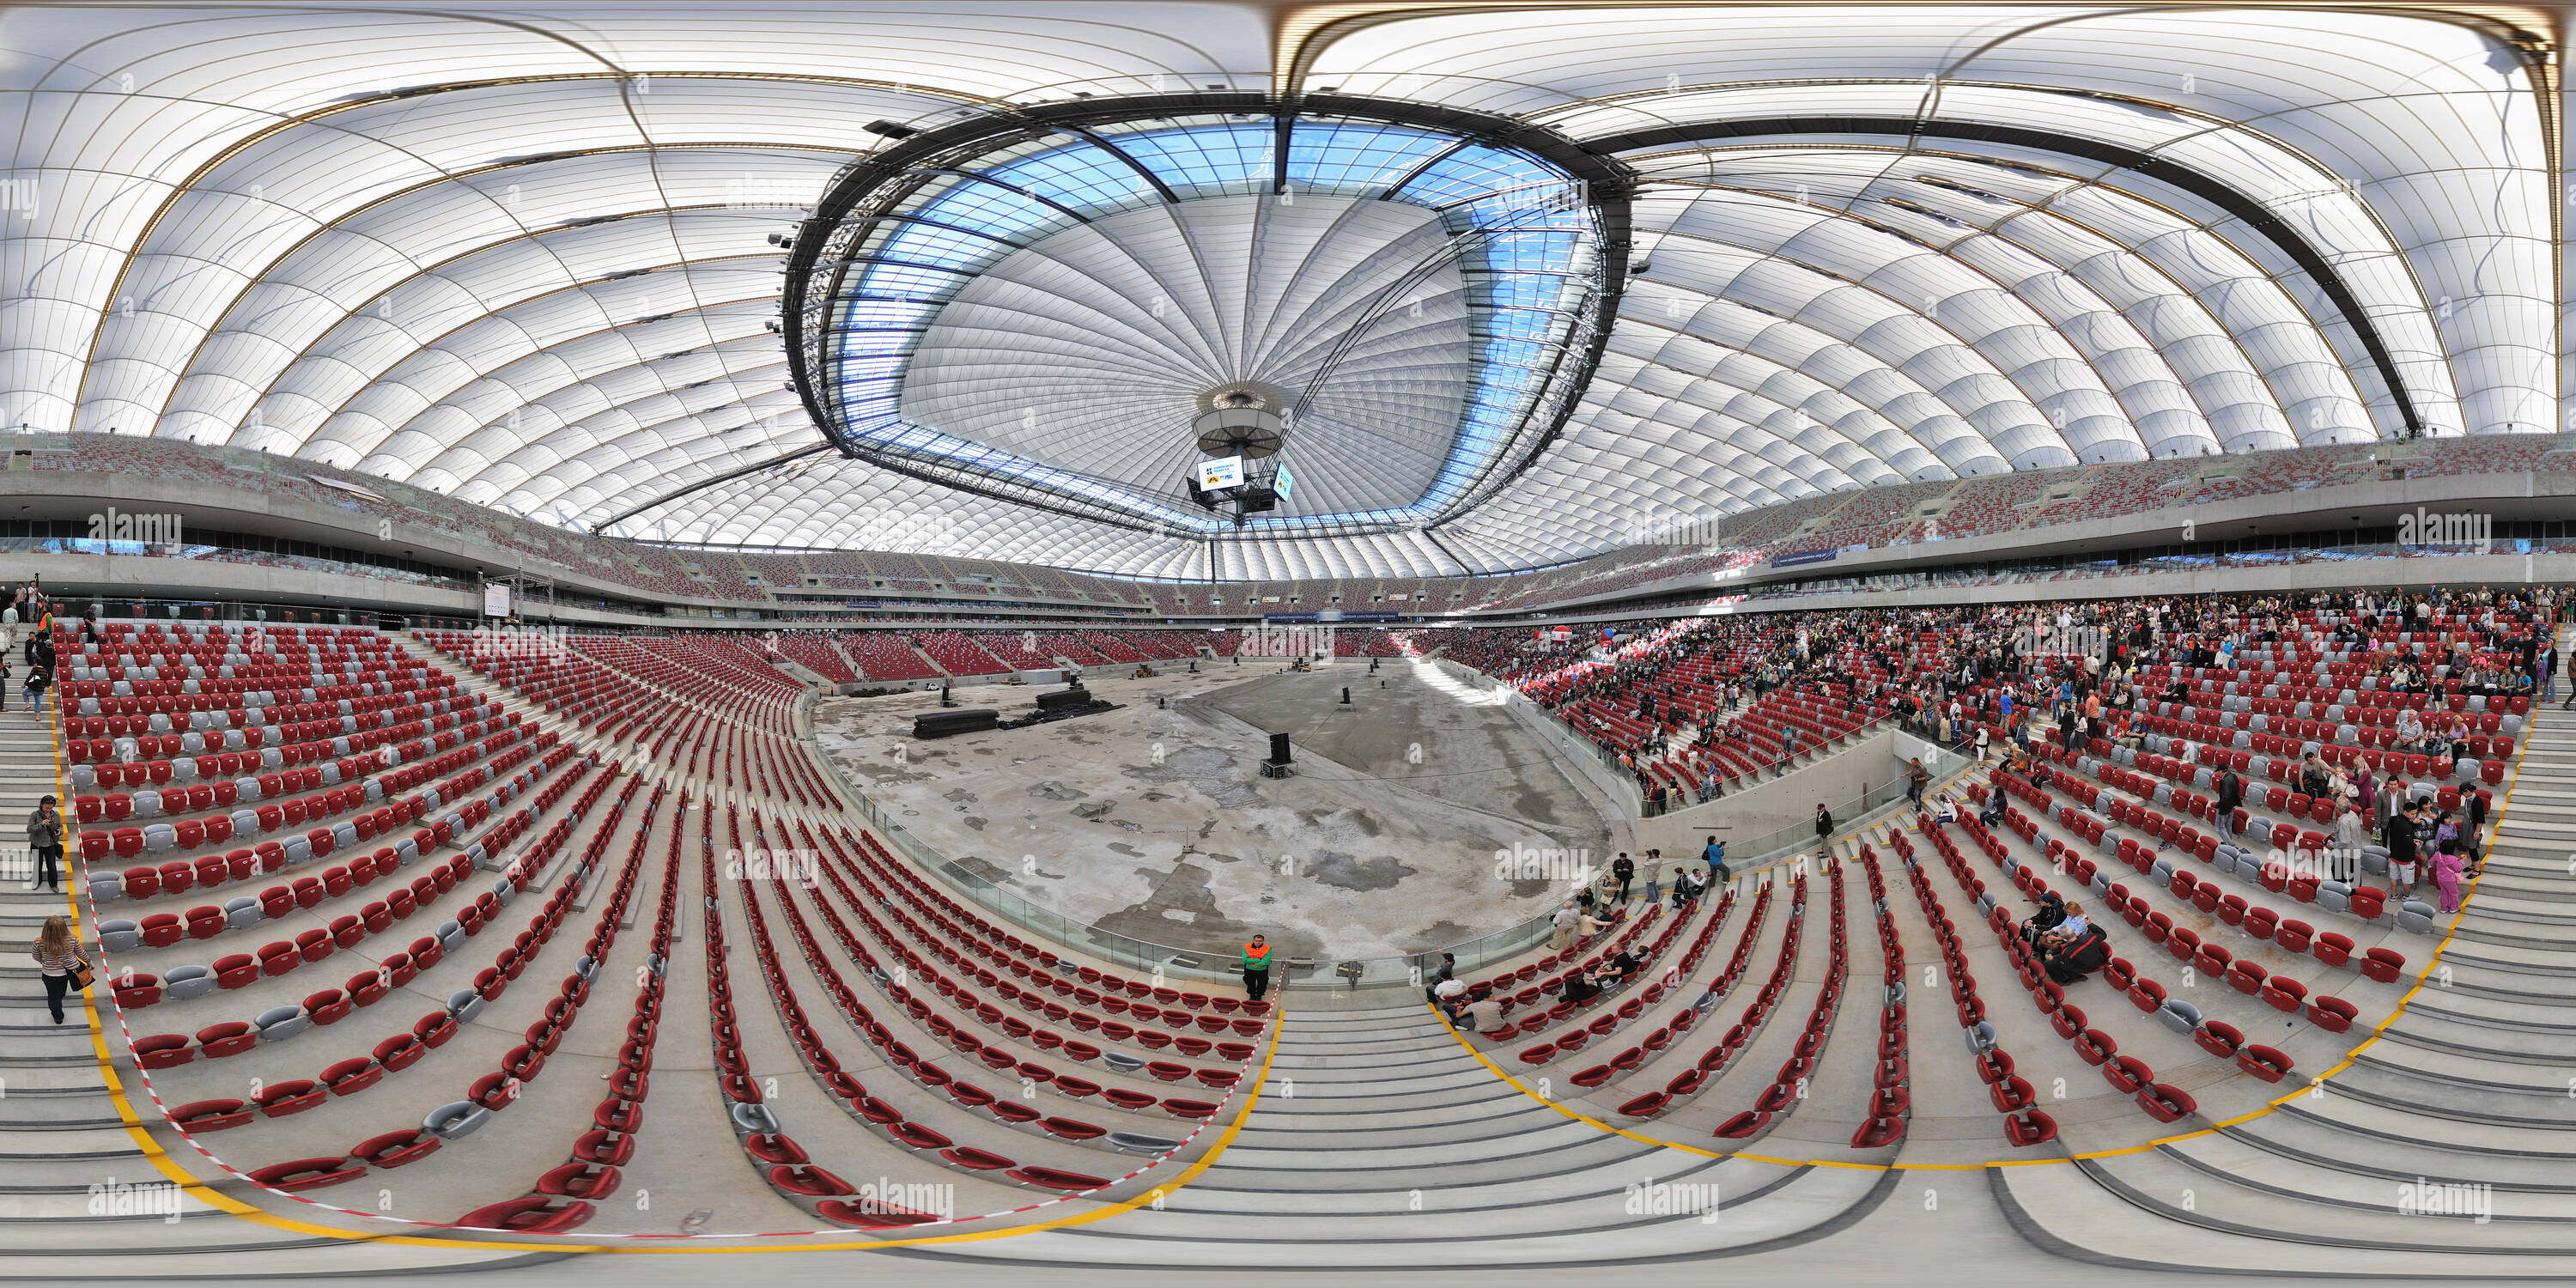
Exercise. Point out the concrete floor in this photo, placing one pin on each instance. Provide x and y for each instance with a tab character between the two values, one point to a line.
1155	822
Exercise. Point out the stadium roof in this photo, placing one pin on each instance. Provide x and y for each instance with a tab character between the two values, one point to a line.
521	254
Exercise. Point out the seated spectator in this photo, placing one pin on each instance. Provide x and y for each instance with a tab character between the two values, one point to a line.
2410	731
1451	995
1484	1015
1579	988
2070	962
2076	923
2052	912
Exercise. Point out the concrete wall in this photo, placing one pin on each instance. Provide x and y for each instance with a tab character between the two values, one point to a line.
2443	570
1577	753
2520	495
149	578
1786	801
74	494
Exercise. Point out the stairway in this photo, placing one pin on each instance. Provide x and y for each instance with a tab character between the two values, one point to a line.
1380	1143
473	683
936	670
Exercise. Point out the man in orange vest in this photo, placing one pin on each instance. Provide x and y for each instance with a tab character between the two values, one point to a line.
1256	968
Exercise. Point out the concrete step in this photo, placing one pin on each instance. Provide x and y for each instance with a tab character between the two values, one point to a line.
1817	1199
1533	1126
2479	1009
2507	933
2303	1129
186	1241
2481	1041
2560	962
1449	1148
66	1147
52	1080
2376	1117
1590	1184
2524	910
2469	1073
1601	1149
2100	1224
1741	1185
69	1111
2467	974
2234	1189
144	1195
2387	1082
2241	1163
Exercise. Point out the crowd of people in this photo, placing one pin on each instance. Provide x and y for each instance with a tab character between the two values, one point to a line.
28	622
1964	675
1986	679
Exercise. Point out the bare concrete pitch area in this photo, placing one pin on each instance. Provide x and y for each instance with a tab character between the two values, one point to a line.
1156	823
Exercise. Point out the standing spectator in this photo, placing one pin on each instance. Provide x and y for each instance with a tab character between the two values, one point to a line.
37	679
1714	855
56	958
1567	918
2399	840
2230	793
1982	735
1256	967
1623	870
2350	833
1824	825
45	838
1916	779
2448	865
2393	795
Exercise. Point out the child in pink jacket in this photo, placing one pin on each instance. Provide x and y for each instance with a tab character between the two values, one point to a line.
2447	869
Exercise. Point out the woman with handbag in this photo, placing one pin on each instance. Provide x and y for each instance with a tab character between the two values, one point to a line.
60	961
